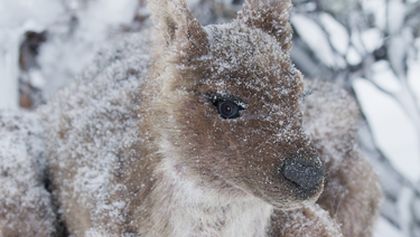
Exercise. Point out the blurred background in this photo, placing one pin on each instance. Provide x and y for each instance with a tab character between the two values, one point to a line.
371	47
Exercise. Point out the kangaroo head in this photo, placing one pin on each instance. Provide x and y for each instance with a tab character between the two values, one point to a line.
227	108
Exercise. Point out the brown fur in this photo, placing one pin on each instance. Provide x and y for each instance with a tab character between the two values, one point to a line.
352	192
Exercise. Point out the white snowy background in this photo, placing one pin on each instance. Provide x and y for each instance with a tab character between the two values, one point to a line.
371	46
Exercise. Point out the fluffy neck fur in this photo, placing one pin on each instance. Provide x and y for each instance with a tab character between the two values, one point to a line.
179	207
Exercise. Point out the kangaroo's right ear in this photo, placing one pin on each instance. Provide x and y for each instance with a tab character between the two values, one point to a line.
271	16
175	23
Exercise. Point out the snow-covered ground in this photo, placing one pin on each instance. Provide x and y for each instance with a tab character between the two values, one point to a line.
77	28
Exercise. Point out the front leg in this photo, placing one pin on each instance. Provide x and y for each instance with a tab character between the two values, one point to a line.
351	195
310	221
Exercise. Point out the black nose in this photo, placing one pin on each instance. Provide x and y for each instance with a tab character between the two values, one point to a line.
306	174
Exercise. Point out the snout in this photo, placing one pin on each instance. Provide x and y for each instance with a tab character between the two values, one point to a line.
306	174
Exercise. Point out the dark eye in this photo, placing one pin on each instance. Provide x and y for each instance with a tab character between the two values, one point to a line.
227	106
228	109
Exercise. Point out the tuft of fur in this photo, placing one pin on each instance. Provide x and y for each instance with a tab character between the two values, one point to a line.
136	146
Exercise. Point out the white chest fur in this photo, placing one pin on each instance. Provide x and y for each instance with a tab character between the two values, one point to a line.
182	209
236	219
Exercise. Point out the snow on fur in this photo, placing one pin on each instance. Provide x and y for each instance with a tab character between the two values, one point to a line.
92	108
25	204
134	148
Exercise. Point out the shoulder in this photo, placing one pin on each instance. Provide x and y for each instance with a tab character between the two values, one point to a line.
330	115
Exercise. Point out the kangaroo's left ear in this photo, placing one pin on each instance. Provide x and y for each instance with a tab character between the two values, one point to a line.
176	24
271	16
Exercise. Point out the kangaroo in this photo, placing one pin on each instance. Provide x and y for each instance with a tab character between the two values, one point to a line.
186	130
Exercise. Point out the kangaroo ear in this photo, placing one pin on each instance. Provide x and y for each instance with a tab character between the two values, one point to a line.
271	16
175	23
